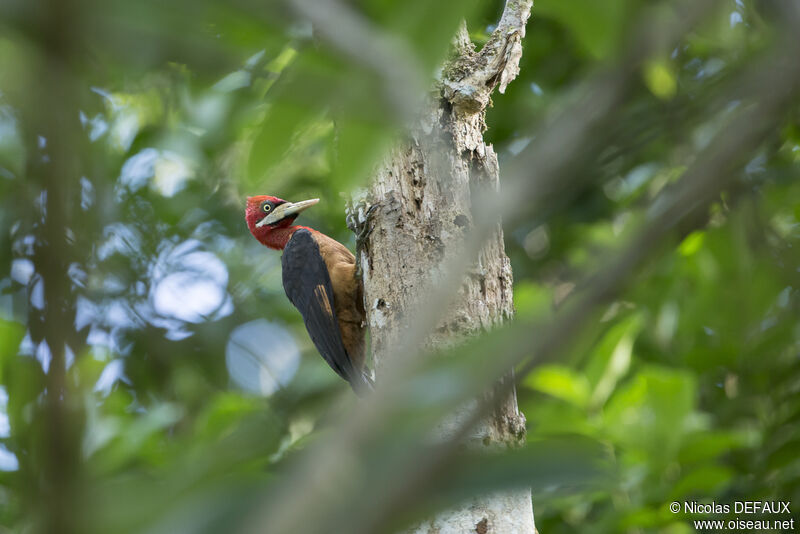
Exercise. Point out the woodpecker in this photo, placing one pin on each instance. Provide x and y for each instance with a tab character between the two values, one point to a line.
319	277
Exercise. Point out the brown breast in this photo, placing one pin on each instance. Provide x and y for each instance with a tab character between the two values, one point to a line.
347	297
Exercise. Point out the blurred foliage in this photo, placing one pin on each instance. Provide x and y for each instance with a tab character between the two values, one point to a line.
190	382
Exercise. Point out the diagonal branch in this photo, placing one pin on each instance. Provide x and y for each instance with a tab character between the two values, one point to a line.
712	172
368	45
317	481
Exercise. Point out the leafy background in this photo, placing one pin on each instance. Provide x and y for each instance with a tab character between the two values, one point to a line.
190	384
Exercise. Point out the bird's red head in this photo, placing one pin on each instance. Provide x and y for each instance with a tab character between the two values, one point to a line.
270	218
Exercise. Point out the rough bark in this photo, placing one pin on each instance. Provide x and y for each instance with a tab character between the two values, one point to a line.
425	193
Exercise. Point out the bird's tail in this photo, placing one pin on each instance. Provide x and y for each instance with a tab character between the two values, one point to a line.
364	383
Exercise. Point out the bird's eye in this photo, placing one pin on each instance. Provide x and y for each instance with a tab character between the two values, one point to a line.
266	208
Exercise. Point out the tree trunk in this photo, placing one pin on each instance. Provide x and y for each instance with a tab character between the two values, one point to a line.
425	192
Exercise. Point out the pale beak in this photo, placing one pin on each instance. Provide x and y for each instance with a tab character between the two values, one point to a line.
286	210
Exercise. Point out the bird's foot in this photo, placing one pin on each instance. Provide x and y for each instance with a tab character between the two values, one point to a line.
362	228
365	228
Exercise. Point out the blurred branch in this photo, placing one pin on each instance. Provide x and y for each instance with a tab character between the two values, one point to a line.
779	79
51	110
314	479
583	122
547	170
366	44
712	172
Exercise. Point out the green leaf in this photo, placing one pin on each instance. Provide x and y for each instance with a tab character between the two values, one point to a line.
597	26
11	334
359	143
706	446
611	358
532	299
281	126
651	412
660	78
427	27
692	243
560	382
702	483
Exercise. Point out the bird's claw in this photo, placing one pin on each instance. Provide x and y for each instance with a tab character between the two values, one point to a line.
363	229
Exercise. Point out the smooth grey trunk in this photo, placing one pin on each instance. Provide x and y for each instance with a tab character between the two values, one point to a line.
426	192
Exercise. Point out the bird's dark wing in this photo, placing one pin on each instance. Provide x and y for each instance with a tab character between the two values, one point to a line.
308	286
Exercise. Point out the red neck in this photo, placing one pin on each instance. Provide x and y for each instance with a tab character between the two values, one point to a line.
276	238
